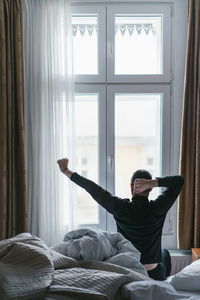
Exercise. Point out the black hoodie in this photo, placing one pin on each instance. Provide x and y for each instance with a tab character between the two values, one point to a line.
139	220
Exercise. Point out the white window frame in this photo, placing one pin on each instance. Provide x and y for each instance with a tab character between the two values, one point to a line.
140	9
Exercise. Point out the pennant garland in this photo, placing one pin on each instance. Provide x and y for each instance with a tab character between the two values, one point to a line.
122	28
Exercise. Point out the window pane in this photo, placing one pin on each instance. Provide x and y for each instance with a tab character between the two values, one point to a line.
85	44
138	44
137	138
86	120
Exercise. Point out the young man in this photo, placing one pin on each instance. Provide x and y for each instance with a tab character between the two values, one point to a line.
139	220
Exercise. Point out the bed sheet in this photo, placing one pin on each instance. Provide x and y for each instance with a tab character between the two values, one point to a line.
191	293
154	290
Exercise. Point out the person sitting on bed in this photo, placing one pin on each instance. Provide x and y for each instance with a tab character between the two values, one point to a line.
139	220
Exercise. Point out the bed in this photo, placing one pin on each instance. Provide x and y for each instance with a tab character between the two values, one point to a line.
87	264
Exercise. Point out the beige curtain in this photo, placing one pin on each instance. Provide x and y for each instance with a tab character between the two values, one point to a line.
189	202
13	193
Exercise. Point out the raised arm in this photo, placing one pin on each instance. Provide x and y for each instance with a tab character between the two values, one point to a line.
103	197
63	165
173	185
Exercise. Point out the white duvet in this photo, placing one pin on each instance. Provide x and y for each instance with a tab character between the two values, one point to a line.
31	270
84	244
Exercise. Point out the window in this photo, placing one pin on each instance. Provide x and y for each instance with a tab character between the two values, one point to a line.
88	27
85	38
124	72
139	129
138	44
137	135
149	161
84	161
90	151
86	120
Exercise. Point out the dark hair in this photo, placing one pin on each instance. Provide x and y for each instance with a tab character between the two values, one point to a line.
140	174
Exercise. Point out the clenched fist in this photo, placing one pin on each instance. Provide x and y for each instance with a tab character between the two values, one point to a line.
63	165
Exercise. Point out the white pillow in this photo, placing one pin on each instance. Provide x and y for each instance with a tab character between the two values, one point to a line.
188	278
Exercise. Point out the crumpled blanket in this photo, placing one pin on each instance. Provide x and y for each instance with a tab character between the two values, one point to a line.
31	270
85	243
26	268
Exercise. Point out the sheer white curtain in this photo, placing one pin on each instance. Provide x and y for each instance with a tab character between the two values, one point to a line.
48	114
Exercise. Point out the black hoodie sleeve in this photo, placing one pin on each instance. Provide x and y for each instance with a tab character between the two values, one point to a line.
111	203
173	185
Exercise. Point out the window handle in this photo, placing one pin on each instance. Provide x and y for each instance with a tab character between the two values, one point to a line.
110	162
